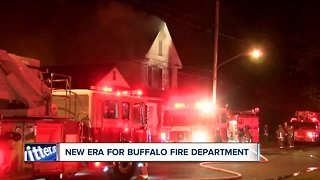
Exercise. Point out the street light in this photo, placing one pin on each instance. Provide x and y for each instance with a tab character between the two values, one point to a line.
254	53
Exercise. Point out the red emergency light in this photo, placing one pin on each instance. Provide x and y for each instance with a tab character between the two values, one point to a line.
204	106
139	92
179	105
311	135
124	92
97	164
163	136
98	88
118	93
107	89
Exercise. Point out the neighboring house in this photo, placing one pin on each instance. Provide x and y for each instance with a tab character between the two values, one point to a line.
87	75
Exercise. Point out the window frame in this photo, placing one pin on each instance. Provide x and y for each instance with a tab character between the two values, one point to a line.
106	115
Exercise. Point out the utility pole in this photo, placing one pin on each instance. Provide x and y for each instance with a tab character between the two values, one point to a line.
215	55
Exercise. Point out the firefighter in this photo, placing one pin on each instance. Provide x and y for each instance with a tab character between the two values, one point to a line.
286	129
266	133
247	137
143	172
280	136
290	137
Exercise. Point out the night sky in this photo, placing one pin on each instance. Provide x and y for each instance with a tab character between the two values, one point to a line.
97	31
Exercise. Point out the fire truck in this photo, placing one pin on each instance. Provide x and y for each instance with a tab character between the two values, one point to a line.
239	121
306	126
187	121
32	109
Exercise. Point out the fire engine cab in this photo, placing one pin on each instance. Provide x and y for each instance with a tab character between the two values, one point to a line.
34	110
187	122
242	123
306	126
234	125
106	116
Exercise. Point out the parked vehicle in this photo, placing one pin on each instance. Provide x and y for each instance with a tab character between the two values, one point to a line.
306	131
306	126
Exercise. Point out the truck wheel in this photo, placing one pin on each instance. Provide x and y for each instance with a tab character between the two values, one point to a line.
123	170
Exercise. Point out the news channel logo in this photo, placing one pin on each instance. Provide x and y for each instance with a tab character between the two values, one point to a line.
40	152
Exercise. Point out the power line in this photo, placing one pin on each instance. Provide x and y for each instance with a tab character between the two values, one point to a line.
167	12
184	18
174	11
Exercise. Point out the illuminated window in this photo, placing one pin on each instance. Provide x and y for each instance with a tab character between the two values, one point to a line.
110	109
160	48
155	77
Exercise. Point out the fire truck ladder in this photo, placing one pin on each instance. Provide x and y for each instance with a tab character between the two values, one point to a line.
62	83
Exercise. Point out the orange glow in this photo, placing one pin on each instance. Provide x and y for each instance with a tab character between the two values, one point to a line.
310	134
197	105
107	89
204	106
97	164
179	105
163	136
312	169
256	53
139	92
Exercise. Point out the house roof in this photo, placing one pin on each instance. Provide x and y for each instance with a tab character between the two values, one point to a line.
85	75
164	37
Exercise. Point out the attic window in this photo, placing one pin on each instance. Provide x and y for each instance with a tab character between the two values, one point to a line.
114	75
160	48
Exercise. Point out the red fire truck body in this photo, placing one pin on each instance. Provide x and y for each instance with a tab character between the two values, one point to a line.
247	119
231	124
108	117
17	131
187	122
34	111
306	126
